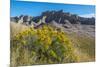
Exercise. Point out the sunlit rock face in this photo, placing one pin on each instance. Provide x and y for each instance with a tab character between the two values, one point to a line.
57	16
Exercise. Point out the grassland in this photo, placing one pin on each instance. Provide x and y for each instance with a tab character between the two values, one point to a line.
48	46
84	45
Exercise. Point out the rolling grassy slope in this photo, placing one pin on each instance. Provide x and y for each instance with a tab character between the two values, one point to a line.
83	45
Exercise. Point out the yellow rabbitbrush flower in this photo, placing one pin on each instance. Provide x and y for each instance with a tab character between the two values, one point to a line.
23	42
47	42
48	45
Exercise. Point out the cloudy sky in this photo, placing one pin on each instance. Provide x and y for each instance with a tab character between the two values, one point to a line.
35	8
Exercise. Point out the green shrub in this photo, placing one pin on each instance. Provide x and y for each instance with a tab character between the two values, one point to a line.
44	45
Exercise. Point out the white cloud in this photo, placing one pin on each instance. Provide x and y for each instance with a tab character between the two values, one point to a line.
89	2
88	15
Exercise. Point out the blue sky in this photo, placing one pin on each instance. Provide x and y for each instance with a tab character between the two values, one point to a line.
35	8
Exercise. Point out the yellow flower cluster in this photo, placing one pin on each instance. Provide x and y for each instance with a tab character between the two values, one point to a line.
55	44
45	35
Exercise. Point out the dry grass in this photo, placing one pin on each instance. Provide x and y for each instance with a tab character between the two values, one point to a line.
15	28
84	45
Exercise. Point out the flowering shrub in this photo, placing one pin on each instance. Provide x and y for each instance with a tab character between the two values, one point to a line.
44	45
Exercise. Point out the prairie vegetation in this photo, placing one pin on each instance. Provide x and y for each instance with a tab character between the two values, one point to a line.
84	46
47	45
